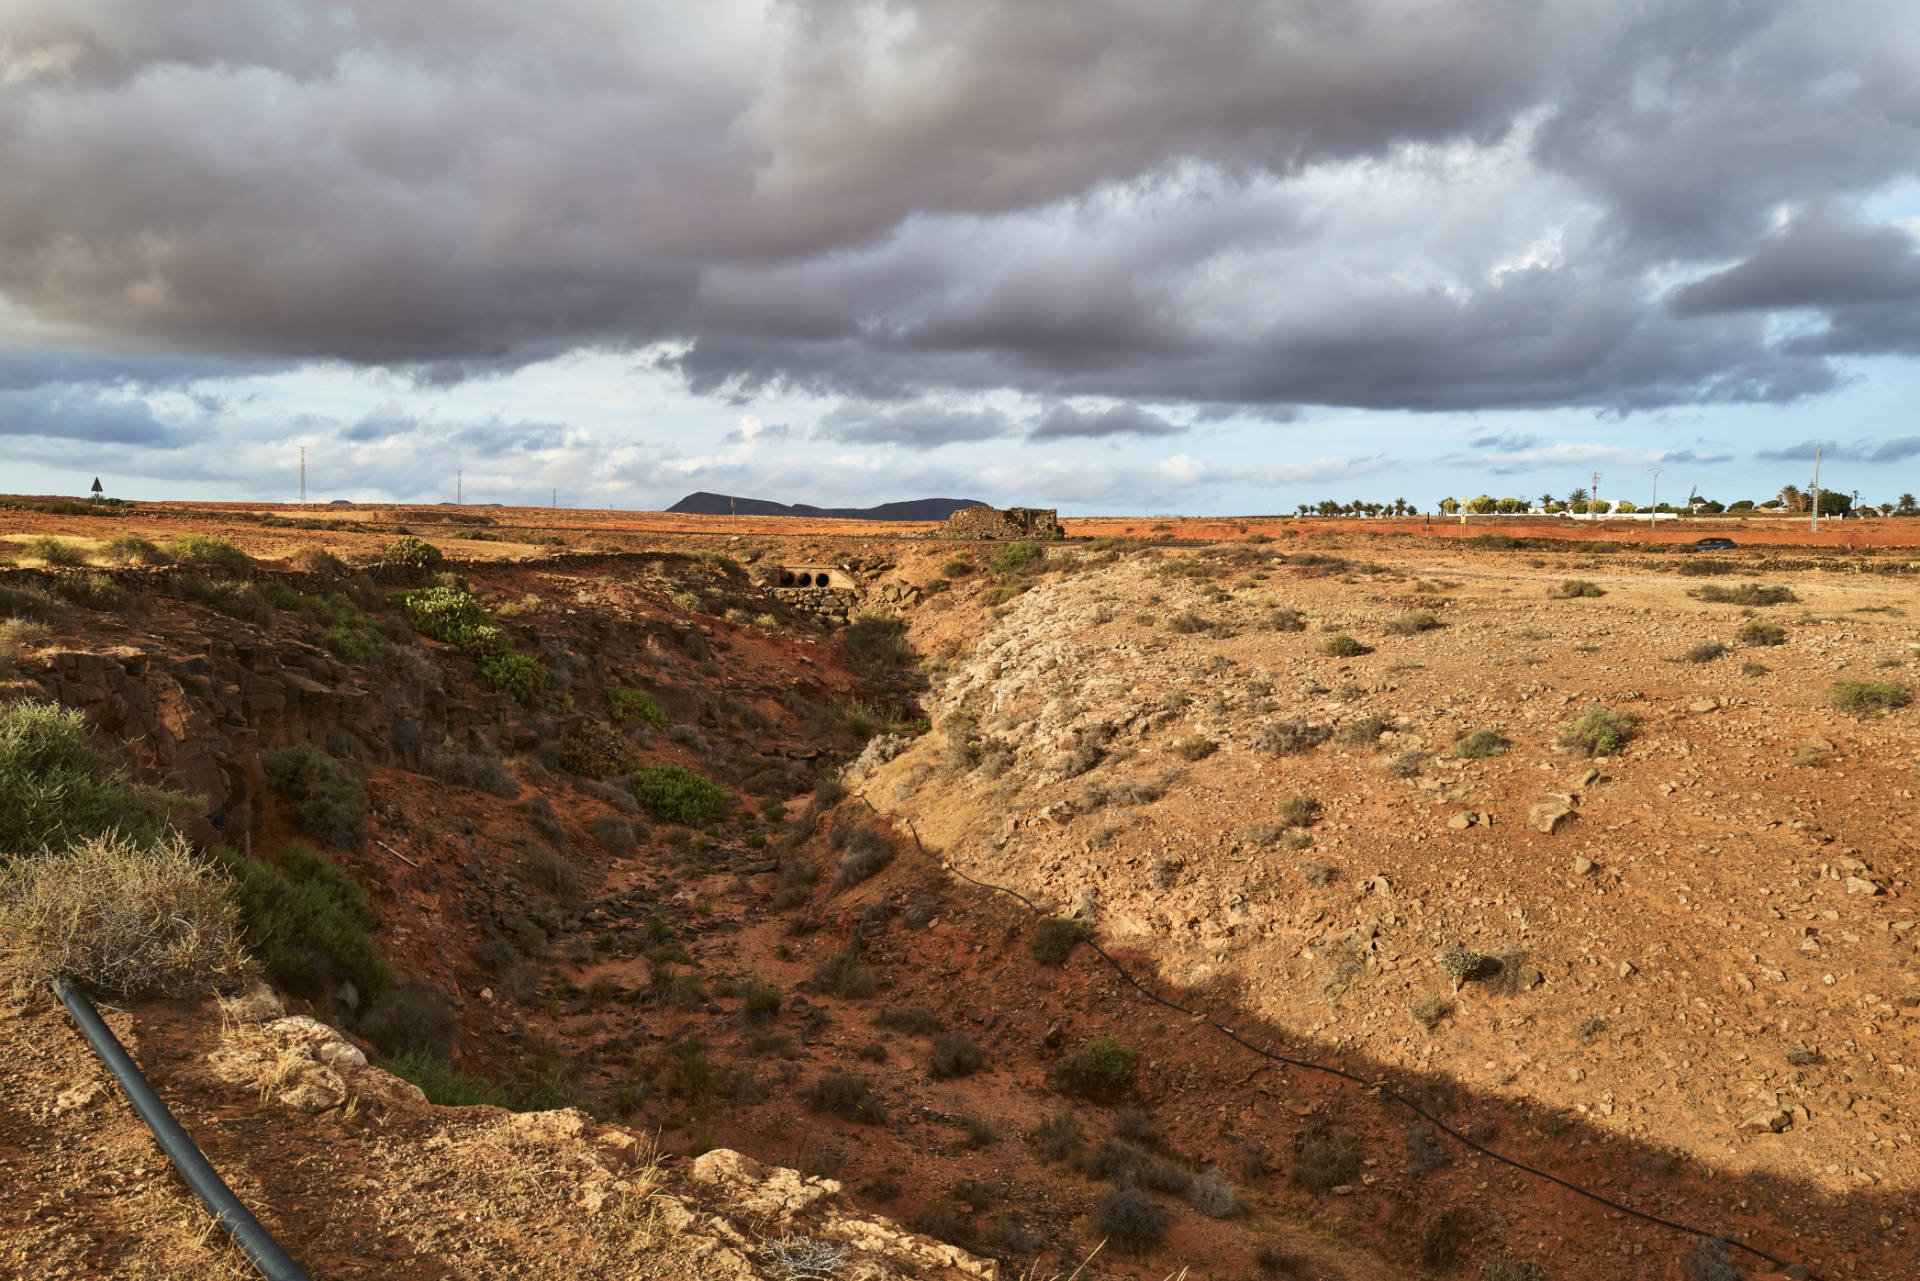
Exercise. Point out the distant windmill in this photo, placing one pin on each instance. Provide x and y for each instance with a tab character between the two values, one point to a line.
97	491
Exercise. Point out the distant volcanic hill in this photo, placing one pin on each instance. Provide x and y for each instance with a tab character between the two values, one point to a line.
704	504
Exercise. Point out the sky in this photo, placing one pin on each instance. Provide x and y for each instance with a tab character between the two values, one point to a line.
1110	256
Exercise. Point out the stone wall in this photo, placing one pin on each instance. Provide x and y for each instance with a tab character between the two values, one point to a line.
1012	522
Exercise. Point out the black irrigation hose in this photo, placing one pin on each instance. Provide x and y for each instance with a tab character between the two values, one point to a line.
233	1218
1385	1090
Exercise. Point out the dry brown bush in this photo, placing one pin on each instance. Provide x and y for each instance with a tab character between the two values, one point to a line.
120	917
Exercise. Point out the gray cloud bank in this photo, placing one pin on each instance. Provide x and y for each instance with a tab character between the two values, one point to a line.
1475	204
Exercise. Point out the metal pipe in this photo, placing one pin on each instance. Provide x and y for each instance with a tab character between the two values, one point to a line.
233	1218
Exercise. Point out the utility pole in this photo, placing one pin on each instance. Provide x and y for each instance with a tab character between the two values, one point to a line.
303	475
459	487
1656	487
1815	526
554	502
1593	495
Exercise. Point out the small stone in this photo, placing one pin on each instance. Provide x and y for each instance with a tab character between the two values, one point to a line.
1549	814
1582	865
80	1097
1701	706
1626	970
1861	885
1767	1122
1460	822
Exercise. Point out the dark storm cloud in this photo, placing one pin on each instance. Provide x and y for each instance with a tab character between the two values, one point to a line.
1893	451
1064	422
1256	205
83	416
913	426
1814	262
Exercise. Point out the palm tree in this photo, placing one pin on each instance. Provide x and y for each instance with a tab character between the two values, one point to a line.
1790	497
1577	496
1546	501
1906	503
1401	507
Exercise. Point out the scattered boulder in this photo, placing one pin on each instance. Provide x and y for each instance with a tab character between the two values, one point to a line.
1551	813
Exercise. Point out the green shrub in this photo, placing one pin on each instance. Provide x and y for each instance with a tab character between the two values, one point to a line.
1327	1159
1102	1068
207	552
327	802
53	551
1196	748
131	549
762	1002
236	600
845	976
91	591
1482	743
412	1020
57	789
1343	646
1054	939
1599	731
1284	738
631	706
1759	633
1868	698
1704	652
443	1086
121	916
1018	555
675	795
512	673
306	920
1298	810
355	644
1508	1267
453	616
411	560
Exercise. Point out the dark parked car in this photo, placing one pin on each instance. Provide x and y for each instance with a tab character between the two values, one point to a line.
1716	544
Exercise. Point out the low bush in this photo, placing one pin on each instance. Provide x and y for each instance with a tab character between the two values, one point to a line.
1283	738
1502	1266
1704	652
615	835
92	591
761	1002
452	616
592	750
1599	731
410	560
56	788
206	552
1298	810
844	976
415	1021
635	707
483	772
1213	1194
1343	646
1131	1220
121	916
955	1055
1018	555
1748	594
132	549
53	551
915	1020
235	600
1573	588
1481	744
1365	731
1411	621
1286	620
1761	634
672	794
443	1086
846	1096
327	800
1868	698
1326	1159
306	920
865	853
1054	939
1102	1068
514	674
1196	748
318	561
1709	1261
552	874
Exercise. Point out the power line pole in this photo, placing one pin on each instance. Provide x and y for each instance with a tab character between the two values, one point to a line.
303	475
554	501
459	487
1815	526
1656	485
1594	496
